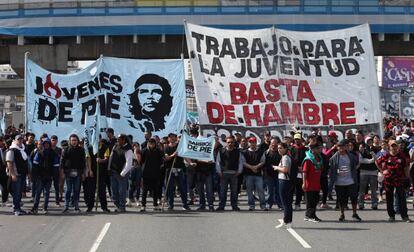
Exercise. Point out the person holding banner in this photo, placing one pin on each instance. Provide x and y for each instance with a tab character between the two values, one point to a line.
101	173
253	161
175	167
229	165
119	165
73	163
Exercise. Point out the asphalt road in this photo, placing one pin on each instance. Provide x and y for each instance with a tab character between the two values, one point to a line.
201	231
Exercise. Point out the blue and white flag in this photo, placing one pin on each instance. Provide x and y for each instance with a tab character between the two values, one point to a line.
196	148
3	125
134	96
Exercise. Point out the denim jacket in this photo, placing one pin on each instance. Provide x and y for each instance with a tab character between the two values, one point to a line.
334	163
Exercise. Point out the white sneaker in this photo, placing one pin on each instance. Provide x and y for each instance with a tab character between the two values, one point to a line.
281	225
128	203
138	204
157	208
297	207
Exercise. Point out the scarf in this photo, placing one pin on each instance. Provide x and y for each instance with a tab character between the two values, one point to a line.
310	156
21	149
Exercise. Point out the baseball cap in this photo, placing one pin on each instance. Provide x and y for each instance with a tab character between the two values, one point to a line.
332	134
297	136
252	139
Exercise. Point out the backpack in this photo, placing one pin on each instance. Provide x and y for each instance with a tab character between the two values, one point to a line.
294	169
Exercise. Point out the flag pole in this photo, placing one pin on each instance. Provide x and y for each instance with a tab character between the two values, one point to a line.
168	184
26	120
97	131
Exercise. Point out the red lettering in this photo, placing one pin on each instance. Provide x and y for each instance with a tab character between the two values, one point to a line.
271	115
254	115
215	112
304	91
255	93
289	84
311	113
238	93
347	110
293	115
330	112
230	116
271	86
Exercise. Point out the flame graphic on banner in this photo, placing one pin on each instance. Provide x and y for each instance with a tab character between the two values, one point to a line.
49	85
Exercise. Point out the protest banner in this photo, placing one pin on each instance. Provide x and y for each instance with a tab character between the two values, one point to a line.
272	79
134	96
196	148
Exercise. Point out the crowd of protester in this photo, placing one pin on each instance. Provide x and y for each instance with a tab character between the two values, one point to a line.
277	173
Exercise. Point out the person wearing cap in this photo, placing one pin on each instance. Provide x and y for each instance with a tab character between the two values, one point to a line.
312	170
393	165
343	167
368	174
17	167
73	163
253	161
119	165
44	163
152	160
229	164
175	165
298	152
330	147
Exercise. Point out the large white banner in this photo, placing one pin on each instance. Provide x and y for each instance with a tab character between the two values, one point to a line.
134	96
251	80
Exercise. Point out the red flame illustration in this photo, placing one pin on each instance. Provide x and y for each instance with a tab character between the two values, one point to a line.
49	84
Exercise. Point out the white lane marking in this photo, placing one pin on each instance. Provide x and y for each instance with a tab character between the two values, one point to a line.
296	235
100	237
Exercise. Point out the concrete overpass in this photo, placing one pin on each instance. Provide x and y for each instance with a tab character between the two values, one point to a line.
55	31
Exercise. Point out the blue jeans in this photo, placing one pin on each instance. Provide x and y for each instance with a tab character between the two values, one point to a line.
226	180
205	181
42	185
119	190
286	195
135	183
255	183
182	186
272	184
56	181
16	187
72	184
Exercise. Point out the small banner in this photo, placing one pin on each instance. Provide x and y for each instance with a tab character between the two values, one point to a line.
196	148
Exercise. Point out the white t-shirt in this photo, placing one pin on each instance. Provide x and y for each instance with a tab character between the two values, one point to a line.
10	158
286	162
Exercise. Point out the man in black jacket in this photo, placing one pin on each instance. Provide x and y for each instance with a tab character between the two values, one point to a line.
120	164
152	159
44	162
73	163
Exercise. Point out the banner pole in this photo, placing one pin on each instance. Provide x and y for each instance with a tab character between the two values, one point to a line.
26	120
97	186
167	185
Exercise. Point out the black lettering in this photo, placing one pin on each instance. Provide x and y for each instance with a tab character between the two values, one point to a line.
285	45
355	46
303	66
270	68
242	50
257	48
69	94
347	63
227	49
331	68
83	90
212	45
338	46
306	47
104	79
274	50
116	86
317	64
286	65
110	105
64	111
242	72
258	71
88	109
217	67
46	106
93	85
202	69
198	38
321	50
39	86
